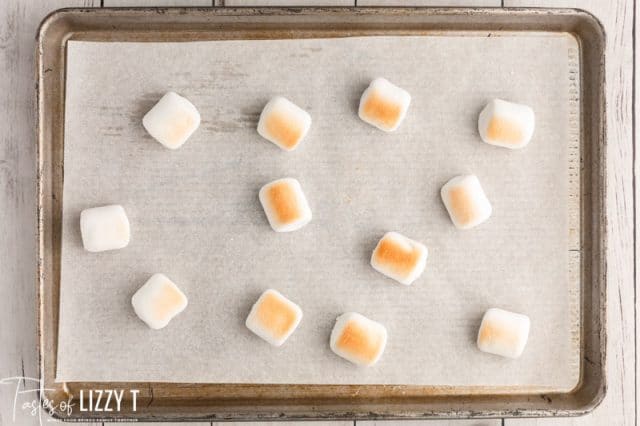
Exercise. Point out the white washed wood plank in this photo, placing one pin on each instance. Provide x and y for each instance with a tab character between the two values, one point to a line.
457	3
168	424
636	142
260	3
619	405
322	423
19	20
479	422
156	3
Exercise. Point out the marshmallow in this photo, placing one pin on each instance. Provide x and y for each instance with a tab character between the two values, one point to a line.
158	301
506	124
274	317
104	228
384	105
465	201
503	333
284	123
172	120
358	339
399	258
285	205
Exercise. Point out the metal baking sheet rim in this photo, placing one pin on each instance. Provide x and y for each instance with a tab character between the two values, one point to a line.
197	402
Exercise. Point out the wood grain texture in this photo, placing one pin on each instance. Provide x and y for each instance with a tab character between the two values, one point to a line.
19	20
467	3
619	406
340	423
636	164
18	23
166	424
234	3
480	422
162	3
324	423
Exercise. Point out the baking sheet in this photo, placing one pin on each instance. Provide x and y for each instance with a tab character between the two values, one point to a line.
195	214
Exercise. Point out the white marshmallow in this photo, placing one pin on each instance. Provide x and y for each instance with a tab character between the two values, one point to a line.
158	301
358	339
285	205
274	317
503	333
384	105
465	201
172	120
399	258
104	228
506	124
284	123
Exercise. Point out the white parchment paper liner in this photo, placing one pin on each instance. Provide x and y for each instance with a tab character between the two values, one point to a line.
195	214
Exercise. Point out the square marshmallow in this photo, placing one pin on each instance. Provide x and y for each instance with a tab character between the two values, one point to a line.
465	201
503	333
399	258
158	301
284	123
172	120
358	339
506	124
285	205
104	228
274	317
384	105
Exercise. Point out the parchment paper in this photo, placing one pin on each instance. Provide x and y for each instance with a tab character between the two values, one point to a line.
195	214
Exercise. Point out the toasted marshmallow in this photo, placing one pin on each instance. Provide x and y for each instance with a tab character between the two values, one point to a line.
104	228
465	201
284	123
358	339
384	105
285	205
158	301
503	333
172	120
399	258
274	317
506	124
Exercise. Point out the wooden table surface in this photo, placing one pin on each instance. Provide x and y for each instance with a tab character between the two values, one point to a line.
18	358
